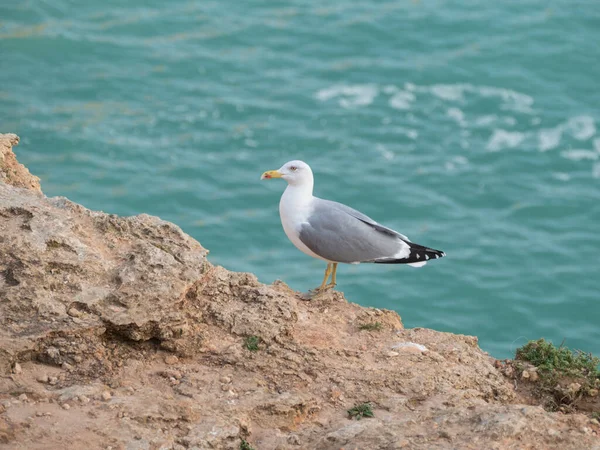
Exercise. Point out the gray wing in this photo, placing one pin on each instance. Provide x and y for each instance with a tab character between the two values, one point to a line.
339	233
360	216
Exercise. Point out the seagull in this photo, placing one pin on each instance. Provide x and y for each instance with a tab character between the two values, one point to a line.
336	233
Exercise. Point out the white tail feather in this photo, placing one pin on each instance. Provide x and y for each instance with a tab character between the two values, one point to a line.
417	264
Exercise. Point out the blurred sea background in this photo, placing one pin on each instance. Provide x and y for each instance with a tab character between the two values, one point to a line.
470	126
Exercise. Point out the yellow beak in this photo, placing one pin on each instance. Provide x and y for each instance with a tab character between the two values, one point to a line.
271	174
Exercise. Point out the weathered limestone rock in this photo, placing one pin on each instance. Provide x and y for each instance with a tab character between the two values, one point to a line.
11	172
118	333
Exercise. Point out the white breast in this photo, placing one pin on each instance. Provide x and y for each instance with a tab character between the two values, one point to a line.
295	207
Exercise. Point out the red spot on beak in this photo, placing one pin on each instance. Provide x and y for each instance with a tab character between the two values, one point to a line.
267	176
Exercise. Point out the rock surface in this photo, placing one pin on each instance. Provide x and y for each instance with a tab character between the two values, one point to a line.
11	172
117	333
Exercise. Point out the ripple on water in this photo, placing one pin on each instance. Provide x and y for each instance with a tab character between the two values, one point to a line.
350	96
502	139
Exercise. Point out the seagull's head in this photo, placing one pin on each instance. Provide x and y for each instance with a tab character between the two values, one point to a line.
294	172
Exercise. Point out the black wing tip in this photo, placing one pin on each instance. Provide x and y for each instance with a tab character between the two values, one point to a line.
417	254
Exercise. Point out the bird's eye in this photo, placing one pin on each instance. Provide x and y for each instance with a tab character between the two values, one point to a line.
293	168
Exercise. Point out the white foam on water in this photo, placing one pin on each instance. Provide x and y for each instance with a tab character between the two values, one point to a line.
485	120
512	99
561	176
413	134
578	154
581	127
502	139
457	115
350	96
402	100
549	138
410	87
455	162
451	92
387	154
596	170
390	89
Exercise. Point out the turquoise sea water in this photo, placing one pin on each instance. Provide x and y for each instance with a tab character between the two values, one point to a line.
470	126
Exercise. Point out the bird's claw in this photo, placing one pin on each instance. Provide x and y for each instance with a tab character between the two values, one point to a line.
312	293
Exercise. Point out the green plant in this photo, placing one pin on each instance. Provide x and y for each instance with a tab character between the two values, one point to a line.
372	326
553	361
596	415
251	343
244	445
565	376
361	410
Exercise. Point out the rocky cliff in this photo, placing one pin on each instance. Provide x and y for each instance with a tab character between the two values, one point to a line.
118	333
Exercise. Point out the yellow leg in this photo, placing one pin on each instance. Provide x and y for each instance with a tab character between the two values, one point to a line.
333	283
326	277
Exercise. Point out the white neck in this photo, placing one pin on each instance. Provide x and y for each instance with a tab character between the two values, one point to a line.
295	208
303	189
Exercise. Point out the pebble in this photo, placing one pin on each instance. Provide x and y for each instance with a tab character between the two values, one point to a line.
224	388
74	312
171	359
42	378
53	380
593	392
53	353
525	375
445	435
225	379
171	374
39	414
23	397
409	347
83	399
17	370
106	396
66	406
